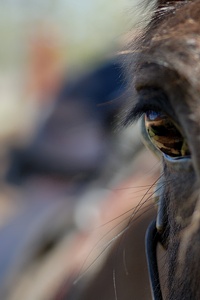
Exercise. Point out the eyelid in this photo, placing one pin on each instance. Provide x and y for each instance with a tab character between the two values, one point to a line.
145	104
149	99
145	107
152	99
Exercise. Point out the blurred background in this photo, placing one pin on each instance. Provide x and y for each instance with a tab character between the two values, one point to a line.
65	168
42	41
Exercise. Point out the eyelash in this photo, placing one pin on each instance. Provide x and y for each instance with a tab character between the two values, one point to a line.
139	110
144	106
150	99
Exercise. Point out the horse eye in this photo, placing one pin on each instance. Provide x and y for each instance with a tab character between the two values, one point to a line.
165	135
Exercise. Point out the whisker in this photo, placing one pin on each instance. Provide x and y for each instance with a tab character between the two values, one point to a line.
114	284
124	262
140	202
123	214
133	220
132	187
122	233
107	245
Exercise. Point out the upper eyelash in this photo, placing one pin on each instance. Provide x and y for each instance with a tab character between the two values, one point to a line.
149	99
142	108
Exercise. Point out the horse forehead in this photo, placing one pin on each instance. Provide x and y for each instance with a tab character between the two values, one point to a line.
181	19
175	43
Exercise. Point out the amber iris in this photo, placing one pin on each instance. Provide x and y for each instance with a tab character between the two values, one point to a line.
165	135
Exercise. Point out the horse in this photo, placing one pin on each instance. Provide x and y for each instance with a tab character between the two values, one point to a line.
164	79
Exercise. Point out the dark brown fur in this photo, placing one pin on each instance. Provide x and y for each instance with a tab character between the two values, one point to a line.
168	59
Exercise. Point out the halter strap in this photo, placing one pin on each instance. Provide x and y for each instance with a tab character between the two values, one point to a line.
151	241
